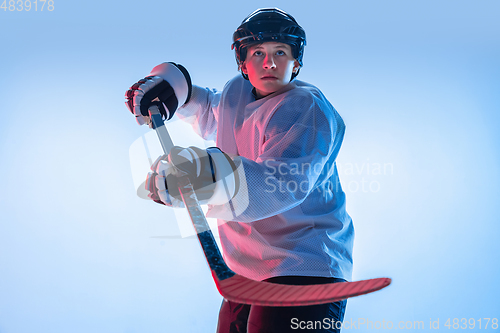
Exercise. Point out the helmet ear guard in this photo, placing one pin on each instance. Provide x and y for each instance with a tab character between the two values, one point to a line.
268	25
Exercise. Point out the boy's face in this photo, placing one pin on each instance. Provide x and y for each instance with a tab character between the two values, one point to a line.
269	66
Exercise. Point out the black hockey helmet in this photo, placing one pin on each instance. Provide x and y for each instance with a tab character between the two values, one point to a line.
269	25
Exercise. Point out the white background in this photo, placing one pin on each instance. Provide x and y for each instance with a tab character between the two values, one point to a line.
416	82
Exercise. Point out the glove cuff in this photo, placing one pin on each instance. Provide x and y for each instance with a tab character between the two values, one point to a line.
212	173
225	176
178	77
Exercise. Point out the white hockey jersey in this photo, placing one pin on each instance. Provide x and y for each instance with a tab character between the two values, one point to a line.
289	216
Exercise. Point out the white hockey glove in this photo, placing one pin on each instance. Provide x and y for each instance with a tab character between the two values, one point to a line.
211	172
168	86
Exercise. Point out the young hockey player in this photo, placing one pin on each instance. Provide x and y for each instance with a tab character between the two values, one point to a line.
272	181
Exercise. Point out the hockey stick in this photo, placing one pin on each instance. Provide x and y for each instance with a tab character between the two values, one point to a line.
239	289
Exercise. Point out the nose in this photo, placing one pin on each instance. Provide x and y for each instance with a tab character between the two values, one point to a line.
269	62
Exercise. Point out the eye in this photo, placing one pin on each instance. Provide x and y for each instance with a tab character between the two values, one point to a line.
280	52
257	53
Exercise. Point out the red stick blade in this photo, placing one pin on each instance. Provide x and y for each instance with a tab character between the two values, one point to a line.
242	290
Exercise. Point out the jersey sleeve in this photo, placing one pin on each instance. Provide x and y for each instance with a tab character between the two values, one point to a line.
202	111
295	161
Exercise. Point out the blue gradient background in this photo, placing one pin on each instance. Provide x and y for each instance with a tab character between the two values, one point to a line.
417	83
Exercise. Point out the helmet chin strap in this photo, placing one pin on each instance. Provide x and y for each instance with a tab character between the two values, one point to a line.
294	74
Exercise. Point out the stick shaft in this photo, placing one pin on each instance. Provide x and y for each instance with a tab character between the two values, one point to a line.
205	236
160	129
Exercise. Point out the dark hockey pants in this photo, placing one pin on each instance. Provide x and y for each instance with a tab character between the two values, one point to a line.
243	318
